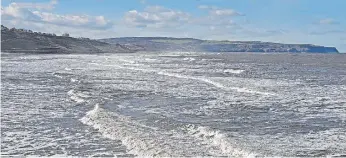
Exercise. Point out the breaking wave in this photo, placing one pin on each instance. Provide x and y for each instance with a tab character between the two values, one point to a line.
217	139
117	127
142	140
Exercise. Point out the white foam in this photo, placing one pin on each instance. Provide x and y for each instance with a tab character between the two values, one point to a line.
203	79
218	139
73	80
56	75
53	156
189	59
212	59
177	54
150	60
77	97
71	92
216	84
146	141
233	71
127	61
114	129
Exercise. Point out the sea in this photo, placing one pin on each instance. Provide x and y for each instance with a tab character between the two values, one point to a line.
173	104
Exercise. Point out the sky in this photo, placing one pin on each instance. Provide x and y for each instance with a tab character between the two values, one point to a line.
319	22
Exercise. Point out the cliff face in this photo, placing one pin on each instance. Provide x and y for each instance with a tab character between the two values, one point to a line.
190	44
26	41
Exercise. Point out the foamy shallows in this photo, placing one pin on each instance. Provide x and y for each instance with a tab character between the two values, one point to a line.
173	105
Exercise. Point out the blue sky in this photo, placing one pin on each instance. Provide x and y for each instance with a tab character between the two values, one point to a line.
321	22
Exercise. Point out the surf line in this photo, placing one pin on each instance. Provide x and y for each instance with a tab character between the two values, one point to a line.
205	80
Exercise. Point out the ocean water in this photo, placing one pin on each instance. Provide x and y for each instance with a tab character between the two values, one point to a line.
173	104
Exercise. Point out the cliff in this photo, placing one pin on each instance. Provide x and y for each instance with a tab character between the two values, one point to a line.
191	44
27	41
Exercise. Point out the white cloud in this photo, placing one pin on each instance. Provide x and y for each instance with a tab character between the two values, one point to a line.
97	22
142	1
156	17
24	12
224	12
218	19
324	32
328	21
14	11
60	29
46	6
160	21
214	21
206	7
212	27
215	11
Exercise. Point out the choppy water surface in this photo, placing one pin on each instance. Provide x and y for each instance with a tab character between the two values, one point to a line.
173	104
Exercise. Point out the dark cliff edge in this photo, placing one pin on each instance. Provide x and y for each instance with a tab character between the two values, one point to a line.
26	41
197	45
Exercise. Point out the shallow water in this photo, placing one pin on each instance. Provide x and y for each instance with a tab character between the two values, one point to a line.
173	104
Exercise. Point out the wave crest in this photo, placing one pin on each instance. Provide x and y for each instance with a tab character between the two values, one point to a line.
218	139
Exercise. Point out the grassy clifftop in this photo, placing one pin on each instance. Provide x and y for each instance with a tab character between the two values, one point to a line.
191	44
26	41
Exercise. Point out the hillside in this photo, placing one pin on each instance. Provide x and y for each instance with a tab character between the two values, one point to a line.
27	41
190	44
